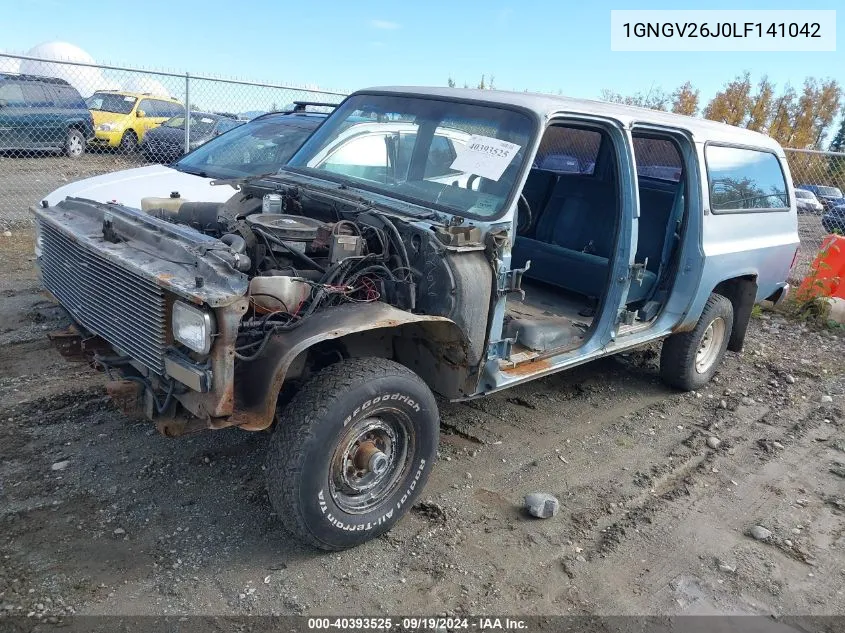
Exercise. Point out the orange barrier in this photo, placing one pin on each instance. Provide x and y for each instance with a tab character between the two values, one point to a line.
827	274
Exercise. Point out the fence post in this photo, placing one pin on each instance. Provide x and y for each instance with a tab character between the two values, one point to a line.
187	112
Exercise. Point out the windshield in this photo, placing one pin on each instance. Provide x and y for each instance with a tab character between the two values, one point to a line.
459	157
800	193
109	102
255	148
200	123
830	192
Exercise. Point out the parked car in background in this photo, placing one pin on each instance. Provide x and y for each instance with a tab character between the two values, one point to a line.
829	197
806	202
121	119
43	113
166	143
833	220
259	146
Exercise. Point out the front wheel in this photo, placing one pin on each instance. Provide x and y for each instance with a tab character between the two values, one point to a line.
688	360
352	452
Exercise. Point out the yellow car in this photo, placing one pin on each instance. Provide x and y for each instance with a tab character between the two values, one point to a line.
122	118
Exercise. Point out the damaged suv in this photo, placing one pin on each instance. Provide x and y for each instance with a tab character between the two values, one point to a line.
421	242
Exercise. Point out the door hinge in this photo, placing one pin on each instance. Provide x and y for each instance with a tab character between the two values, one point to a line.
637	273
511	280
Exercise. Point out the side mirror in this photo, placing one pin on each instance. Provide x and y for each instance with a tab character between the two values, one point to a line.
140	114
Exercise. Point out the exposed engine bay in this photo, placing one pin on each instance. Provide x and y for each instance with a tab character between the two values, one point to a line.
303	254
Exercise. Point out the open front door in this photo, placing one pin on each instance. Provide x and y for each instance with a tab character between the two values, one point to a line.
575	234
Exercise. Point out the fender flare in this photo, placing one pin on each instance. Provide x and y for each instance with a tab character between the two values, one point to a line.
260	381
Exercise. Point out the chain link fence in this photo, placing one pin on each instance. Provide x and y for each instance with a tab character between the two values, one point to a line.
62	121
819	179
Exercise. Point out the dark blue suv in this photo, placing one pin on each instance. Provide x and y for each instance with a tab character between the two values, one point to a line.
43	113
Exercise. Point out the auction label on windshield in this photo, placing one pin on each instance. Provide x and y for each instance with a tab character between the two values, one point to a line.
728	30
484	156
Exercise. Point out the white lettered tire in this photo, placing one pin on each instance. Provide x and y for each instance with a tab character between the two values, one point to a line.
351	452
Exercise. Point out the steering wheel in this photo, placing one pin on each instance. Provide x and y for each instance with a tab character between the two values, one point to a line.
523	215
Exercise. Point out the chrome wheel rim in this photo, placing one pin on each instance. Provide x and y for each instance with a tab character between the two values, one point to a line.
710	345
370	460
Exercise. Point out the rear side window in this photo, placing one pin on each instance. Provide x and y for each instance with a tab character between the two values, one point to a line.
67	97
657	158
744	180
34	94
568	150
11	93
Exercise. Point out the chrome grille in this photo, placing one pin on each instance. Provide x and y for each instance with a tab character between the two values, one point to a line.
125	309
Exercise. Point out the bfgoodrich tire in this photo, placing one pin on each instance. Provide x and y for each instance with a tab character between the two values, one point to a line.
689	359
352	452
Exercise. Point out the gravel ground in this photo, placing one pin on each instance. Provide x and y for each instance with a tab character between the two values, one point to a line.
661	494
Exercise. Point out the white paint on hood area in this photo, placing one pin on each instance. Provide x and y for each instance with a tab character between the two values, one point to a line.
127	187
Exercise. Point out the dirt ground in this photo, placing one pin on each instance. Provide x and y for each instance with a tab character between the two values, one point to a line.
102	515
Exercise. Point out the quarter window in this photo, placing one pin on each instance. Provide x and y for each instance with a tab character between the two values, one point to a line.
744	180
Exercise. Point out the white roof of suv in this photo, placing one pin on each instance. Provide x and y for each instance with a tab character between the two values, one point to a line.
546	106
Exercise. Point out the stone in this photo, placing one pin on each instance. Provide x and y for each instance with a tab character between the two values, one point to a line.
760	533
58	466
7	234
790	379
541	505
714	442
747	402
119	531
826	399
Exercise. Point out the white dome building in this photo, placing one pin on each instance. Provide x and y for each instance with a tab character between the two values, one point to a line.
142	83
84	78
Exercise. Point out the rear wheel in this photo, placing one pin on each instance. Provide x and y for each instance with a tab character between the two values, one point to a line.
128	143
688	360
352	452
74	143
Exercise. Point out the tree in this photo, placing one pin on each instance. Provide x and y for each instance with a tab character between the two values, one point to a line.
732	104
655	99
481	84
274	107
783	113
760	110
838	142
685	100
450	82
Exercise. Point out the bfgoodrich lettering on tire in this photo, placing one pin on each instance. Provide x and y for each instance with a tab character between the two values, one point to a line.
689	359
351	452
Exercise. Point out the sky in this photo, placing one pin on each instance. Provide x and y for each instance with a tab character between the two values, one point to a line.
537	45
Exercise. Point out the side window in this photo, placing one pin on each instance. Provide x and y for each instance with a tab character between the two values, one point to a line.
149	107
363	157
744	180
172	109
67	97
568	150
441	155
34	94
657	158
11	93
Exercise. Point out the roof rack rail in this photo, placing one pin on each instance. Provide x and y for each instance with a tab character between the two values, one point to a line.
299	106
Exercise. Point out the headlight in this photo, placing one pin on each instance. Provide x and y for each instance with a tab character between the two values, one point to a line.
192	327
107	127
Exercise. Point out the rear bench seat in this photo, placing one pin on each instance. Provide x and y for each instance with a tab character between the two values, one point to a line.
574	238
